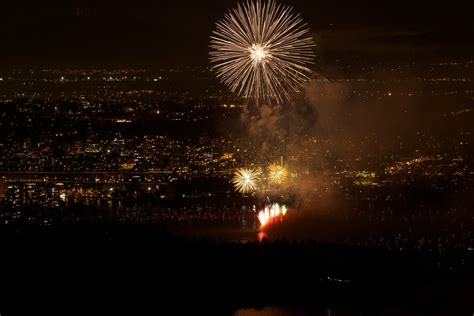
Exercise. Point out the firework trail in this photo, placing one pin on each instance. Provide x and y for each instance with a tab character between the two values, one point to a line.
261	51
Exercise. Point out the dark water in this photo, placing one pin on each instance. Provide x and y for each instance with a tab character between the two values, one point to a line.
283	311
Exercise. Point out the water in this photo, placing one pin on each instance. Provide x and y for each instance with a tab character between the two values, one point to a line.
283	311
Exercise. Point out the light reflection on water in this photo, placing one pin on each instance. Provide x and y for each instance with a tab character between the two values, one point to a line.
274	311
283	311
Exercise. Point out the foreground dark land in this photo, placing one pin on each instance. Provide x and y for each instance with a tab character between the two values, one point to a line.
140	267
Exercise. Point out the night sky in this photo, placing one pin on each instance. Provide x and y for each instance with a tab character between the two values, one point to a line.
164	32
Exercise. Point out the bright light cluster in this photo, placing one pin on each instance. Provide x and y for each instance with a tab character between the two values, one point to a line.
248	180
272	214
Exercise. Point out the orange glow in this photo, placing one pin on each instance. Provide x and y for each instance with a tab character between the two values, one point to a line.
262	236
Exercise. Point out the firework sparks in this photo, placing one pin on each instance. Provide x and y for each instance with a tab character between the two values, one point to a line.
277	173
261	51
245	180
271	214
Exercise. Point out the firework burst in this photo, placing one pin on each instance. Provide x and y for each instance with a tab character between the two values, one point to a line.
245	180
277	173
261	51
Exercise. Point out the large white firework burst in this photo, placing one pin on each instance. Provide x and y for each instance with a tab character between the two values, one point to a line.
261	51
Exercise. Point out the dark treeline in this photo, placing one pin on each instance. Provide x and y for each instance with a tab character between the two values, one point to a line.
144	266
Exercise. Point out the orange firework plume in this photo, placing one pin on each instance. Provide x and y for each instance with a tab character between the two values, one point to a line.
271	214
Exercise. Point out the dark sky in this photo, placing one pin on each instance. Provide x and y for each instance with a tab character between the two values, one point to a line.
162	32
